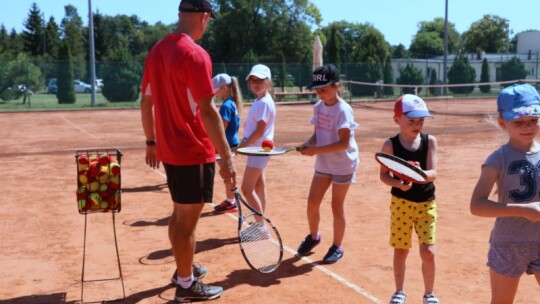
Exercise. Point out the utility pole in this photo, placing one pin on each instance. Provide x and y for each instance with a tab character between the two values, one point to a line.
92	52
445	61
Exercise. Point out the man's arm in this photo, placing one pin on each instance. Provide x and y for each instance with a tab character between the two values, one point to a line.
147	118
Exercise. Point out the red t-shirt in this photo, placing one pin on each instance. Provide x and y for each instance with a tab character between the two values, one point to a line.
178	74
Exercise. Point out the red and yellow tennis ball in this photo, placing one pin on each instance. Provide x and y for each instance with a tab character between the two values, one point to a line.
83	162
103	175
104	160
93	186
114	183
267	145
83	177
94	169
82	193
94	199
114	168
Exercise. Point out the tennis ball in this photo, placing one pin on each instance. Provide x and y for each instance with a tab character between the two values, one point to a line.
83	177
83	162
104	160
267	145
103	175
103	204
94	186
94	168
82	193
114	182
114	168
94	199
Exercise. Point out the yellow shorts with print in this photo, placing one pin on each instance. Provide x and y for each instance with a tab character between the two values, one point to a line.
407	214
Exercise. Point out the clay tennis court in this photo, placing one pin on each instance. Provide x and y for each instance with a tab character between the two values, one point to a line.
41	242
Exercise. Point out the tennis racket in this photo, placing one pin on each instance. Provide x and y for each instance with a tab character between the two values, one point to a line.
260	243
258	151
401	168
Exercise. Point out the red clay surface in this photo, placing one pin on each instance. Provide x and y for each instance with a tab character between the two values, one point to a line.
41	244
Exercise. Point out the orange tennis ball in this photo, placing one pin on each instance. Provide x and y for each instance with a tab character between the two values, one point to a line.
267	145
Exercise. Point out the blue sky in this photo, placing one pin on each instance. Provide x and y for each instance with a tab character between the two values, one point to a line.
396	19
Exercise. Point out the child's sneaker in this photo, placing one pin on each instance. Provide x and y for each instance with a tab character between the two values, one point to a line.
197	292
333	255
307	245
399	297
225	206
431	299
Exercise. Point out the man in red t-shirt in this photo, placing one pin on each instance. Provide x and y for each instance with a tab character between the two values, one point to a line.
183	130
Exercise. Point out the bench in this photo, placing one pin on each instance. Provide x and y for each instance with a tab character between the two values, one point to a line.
297	92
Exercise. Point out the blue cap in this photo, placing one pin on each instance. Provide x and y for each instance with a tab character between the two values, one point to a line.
518	100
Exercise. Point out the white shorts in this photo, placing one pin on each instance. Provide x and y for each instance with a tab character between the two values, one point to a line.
258	162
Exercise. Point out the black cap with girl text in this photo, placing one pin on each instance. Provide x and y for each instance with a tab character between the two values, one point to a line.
323	76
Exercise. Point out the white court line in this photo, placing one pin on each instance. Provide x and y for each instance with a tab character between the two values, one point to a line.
76	126
316	265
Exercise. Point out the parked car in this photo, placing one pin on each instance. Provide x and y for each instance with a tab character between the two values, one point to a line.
81	87
52	87
78	86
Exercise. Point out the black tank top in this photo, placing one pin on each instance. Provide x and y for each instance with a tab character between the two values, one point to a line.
419	192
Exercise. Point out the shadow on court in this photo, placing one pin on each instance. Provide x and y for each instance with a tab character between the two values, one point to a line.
38	299
248	276
151	188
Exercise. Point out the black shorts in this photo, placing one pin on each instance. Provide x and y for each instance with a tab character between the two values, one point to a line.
190	184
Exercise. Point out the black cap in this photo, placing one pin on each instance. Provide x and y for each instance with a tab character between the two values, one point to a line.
198	6
323	76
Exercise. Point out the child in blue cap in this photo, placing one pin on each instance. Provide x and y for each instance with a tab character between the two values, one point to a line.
515	168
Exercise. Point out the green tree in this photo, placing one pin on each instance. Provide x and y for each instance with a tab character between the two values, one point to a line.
333	47
430	38
484	77
427	45
52	38
388	77
66	91
513	69
347	34
33	34
489	34
273	25
18	74
461	72
411	76
122	77
432	81
4	41
371	47
399	51
72	33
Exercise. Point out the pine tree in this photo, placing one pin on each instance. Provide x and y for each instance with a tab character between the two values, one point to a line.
33	34
333	47
484	77
66	91
388	77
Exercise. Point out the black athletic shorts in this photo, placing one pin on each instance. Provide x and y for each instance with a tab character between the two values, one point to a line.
190	184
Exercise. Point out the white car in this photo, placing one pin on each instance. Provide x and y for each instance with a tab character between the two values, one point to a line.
81	87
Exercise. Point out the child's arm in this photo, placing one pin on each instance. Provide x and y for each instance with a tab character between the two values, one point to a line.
384	174
431	164
311	141
482	206
253	137
341	144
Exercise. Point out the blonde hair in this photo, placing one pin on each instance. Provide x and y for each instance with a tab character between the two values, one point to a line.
236	94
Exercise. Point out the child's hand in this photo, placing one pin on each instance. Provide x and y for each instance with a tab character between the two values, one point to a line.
414	163
405	186
307	150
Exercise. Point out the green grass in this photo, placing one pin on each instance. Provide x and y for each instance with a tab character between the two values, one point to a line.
43	101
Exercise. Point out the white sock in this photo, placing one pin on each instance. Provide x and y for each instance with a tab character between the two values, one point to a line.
232	200
185	282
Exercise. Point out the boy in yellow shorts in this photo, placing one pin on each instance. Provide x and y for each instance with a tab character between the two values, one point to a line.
412	205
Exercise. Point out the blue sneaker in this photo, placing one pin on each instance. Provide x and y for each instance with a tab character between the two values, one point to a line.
333	255
307	245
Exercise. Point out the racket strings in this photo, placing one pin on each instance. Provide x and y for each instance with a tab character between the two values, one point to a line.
260	245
